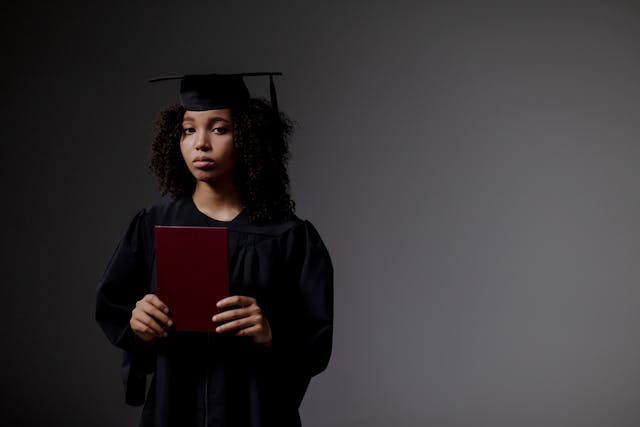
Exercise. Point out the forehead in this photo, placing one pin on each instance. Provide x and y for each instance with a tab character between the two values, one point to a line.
207	115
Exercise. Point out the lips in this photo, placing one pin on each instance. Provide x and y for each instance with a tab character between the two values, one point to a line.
203	162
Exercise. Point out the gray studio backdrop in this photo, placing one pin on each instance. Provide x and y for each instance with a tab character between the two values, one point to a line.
472	167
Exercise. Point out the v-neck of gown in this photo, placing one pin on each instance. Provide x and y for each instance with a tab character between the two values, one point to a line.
240	218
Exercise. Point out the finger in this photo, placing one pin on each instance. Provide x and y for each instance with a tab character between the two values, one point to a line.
240	300
143	330
139	328
154	312
151	325
258	333
247	332
255	331
245	322
156	302
228	315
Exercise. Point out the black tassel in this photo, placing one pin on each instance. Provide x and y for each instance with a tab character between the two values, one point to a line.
274	98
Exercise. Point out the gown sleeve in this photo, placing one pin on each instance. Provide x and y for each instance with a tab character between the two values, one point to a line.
316	291
124	282
305	343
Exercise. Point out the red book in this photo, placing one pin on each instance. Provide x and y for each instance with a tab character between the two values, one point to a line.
192	266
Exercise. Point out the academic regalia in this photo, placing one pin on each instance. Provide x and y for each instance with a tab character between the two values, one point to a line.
211	379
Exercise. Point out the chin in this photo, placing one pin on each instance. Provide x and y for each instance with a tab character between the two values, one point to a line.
204	177
210	178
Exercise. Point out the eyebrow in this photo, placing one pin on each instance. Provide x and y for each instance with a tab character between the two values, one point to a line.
211	120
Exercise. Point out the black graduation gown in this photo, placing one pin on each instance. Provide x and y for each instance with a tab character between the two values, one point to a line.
208	379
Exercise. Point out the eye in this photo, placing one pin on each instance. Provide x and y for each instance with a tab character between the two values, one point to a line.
220	130
188	131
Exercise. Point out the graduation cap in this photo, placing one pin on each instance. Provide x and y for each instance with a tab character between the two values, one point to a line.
200	92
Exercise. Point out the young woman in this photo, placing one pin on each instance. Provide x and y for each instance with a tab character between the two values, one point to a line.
221	157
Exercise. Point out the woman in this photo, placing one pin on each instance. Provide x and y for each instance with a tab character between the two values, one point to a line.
221	156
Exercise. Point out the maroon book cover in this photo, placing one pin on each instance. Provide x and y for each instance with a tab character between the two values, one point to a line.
192	274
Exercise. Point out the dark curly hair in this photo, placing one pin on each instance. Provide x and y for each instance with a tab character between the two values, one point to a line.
261	140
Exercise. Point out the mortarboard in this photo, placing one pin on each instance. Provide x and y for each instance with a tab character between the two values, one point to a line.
200	92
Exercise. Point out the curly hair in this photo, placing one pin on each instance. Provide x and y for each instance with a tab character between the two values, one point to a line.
261	139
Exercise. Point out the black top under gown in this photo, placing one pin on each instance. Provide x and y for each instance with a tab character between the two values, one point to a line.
209	379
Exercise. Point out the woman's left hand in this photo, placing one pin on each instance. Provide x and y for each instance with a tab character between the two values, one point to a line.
246	320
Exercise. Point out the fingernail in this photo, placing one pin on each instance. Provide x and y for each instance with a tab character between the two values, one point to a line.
218	329
170	323
214	318
166	310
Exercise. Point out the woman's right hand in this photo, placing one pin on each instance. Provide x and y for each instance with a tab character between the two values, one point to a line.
149	318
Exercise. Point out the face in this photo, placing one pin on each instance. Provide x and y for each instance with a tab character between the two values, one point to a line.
207	145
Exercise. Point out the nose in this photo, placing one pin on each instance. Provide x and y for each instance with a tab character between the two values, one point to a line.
202	141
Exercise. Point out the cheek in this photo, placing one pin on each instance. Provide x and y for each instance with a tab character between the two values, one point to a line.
183	149
233	155
229	148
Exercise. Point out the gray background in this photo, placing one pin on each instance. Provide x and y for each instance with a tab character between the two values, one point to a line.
472	167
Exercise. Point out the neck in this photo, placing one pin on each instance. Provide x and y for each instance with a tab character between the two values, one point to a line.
220	201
